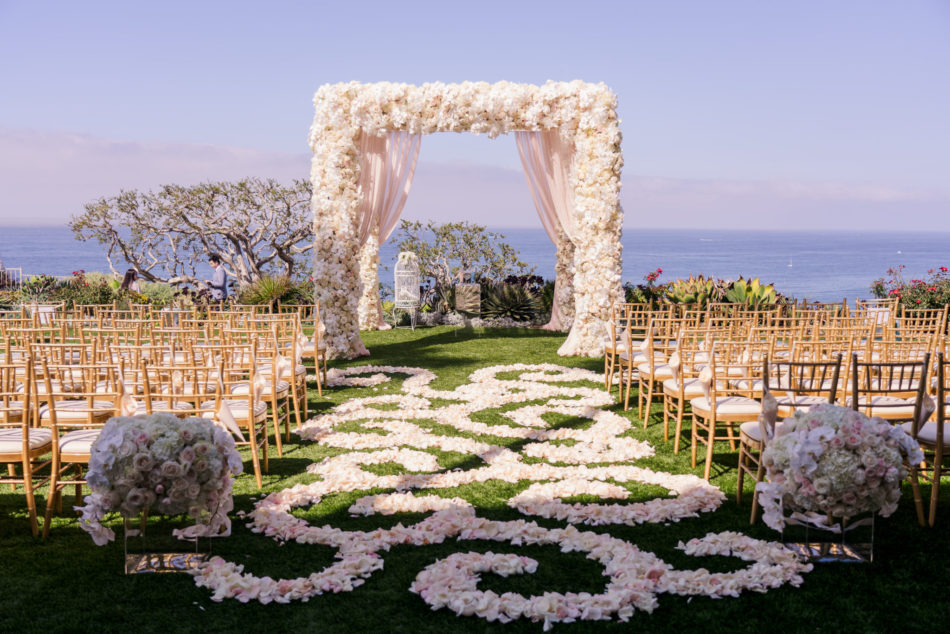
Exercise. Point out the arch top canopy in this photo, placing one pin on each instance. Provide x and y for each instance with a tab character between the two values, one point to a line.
477	107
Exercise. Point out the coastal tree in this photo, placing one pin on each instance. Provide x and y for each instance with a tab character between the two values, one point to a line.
455	251
258	226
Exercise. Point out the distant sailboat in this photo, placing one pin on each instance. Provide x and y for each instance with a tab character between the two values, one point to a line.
789	262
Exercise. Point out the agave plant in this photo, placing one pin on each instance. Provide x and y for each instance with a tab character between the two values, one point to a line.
510	300
693	290
268	290
752	293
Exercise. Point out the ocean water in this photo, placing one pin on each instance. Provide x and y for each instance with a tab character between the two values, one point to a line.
824	266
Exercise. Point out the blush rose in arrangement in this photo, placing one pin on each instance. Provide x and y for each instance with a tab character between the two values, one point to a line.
161	464
834	462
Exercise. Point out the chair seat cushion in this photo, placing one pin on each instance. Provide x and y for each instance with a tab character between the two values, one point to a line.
747	385
160	405
238	409
729	406
78	442
56	386
282	388
907	384
78	410
886	406
753	431
927	434
189	389
799	401
660	372
11	439
691	387
180	357
13	409
639	357
265	369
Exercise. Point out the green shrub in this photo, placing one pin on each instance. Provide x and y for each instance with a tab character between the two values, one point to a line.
103	278
270	289
8	299
546	297
158	292
82	290
39	288
648	293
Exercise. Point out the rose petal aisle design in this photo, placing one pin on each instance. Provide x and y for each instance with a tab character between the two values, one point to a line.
636	578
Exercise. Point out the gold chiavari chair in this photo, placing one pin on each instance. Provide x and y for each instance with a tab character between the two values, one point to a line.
178	389
881	312
289	337
46	314
628	322
245	408
658	344
933	437
171	317
686	362
21	444
891	390
914	323
275	373
793	385
75	411
316	349
303	311
724	405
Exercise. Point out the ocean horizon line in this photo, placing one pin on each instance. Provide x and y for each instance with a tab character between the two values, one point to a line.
625	229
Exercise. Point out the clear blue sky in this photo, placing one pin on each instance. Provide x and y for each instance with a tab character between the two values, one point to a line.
734	113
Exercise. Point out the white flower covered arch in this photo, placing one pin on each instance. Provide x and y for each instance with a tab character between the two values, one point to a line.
584	114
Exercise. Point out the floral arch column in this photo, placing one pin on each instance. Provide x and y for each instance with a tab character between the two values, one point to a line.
583	113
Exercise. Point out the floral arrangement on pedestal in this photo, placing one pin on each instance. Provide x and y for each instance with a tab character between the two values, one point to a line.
163	464
584	114
834	462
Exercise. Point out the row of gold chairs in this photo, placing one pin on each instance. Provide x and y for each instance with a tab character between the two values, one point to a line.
61	381
709	365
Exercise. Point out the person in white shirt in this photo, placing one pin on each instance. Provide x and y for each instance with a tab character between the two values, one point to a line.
131	281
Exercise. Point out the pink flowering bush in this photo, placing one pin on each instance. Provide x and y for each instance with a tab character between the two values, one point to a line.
932	292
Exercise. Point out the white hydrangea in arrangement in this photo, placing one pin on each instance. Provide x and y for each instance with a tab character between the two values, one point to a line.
162	464
836	462
583	113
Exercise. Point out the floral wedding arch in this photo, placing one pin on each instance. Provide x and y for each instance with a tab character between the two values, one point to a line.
365	140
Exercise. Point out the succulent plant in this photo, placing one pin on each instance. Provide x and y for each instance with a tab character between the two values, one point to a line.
511	301
693	290
752	293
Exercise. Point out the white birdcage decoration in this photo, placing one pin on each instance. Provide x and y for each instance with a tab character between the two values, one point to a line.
406	284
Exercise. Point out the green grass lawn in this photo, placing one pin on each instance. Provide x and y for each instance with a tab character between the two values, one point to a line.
66	583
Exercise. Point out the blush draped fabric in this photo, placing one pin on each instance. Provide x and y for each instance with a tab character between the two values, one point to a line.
387	165
547	160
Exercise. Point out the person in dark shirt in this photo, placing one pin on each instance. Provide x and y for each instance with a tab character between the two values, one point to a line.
219	281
